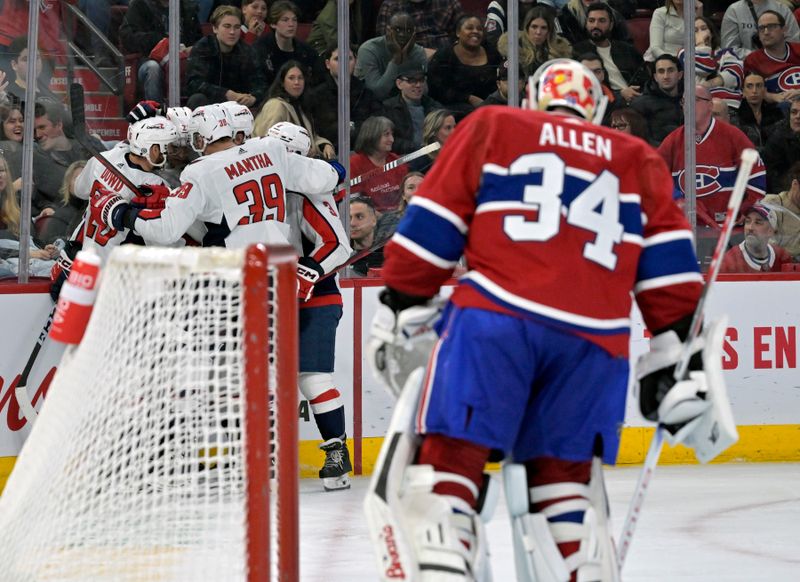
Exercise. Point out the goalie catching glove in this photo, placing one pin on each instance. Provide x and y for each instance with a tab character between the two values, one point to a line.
695	411
402	336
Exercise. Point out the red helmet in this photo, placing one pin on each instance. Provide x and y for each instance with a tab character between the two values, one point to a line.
567	83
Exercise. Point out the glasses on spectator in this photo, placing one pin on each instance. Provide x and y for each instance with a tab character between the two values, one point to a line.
620	125
414	81
768	26
401	29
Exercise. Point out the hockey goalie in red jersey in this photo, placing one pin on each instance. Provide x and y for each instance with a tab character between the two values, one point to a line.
561	222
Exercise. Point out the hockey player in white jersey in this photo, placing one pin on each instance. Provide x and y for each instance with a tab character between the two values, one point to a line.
239	192
145	152
243	121
317	234
179	153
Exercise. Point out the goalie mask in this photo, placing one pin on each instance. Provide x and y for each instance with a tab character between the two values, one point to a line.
210	123
181	118
242	120
567	83
149	132
294	137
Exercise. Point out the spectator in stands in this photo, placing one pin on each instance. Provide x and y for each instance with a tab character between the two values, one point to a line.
438	126
254	16
594	63
324	100
716	68
434	20
145	25
288	102
538	42
41	259
324	32
11	129
778	61
18	52
628	120
14	24
464	74
782	149
497	18
222	67
718	154
755	254
388	221
739	25
363	224
660	103
572	21
786	206
56	152
666	29
500	97
66	218
373	150
282	45
756	117
382	59
624	66
408	109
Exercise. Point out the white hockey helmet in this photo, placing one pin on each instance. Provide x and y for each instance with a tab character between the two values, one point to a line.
144	134
209	124
242	118
567	83
181	117
294	138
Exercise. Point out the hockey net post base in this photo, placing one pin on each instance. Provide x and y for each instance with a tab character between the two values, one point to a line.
167	446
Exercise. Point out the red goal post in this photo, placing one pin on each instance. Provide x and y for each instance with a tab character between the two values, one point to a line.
167	445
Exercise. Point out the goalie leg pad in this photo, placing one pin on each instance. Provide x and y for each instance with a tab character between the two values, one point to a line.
569	533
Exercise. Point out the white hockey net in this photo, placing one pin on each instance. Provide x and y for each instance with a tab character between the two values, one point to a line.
150	459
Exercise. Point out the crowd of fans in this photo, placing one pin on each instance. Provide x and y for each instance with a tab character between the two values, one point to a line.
424	66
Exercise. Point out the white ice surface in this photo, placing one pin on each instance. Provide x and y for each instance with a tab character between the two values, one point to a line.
725	523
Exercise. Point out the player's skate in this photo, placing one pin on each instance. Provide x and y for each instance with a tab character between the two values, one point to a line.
334	473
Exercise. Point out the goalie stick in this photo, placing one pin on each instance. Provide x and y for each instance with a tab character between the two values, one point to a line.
749	158
430	148
79	125
21	391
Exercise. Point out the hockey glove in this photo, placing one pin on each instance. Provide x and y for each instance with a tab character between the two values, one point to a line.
696	411
59	273
143	110
340	171
309	272
107	209
154	197
401	340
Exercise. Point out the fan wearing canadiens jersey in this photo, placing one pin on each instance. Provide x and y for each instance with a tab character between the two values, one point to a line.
238	191
778	61
561	222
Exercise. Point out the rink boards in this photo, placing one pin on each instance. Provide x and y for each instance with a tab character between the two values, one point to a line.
760	363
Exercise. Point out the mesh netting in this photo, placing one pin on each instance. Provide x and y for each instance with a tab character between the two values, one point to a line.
135	468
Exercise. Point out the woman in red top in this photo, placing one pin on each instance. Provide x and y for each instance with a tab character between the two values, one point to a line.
373	150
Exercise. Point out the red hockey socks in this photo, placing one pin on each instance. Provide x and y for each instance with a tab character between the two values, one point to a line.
453	455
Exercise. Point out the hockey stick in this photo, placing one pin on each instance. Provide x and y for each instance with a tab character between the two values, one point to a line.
355	258
430	148
21	391
749	158
79	125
